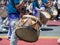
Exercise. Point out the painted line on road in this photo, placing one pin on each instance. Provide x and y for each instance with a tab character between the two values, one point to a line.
39	36
49	36
3	36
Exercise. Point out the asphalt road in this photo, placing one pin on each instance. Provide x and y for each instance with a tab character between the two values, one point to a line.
52	31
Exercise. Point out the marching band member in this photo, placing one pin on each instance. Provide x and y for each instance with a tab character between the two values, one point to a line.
1	20
56	7
37	6
45	17
55	4
3	15
13	17
51	8
3	4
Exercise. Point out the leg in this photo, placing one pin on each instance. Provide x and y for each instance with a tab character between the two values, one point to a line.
12	24
9	32
13	40
38	14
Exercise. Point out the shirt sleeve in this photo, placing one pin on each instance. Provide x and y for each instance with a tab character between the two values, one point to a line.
42	7
16	2
35	5
44	1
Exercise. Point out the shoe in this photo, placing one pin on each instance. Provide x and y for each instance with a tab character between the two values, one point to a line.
54	20
58	40
44	26
8	38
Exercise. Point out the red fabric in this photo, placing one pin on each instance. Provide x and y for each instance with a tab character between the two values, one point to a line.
41	41
51	22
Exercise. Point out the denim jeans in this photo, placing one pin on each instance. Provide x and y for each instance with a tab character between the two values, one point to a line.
13	19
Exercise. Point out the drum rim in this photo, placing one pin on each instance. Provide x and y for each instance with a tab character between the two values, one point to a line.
45	15
31	16
25	39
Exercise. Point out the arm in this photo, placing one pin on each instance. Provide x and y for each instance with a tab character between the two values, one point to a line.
18	4
3	3
48	4
29	7
41	9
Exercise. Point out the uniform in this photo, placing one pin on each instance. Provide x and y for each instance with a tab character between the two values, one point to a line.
13	17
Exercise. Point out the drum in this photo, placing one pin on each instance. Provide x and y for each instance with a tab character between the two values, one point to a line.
28	28
44	17
54	11
3	13
45	14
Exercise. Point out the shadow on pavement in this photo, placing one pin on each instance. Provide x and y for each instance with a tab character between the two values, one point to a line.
0	39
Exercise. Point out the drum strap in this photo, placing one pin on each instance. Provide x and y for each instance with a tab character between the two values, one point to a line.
36	23
25	22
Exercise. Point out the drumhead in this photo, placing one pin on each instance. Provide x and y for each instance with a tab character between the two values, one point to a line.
46	14
27	34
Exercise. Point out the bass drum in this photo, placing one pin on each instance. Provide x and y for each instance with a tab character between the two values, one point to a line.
44	17
45	14
53	11
28	28
3	13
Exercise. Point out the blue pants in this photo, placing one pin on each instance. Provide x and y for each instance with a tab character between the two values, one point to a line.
36	13
12	18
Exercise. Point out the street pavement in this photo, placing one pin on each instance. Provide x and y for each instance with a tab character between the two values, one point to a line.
52	31
48	36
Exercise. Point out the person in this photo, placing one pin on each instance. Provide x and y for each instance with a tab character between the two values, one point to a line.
13	17
1	20
3	15
3	5
43	16
56	7
35	6
50	5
